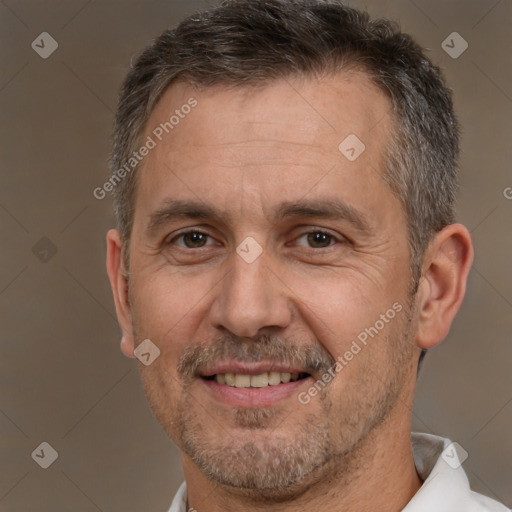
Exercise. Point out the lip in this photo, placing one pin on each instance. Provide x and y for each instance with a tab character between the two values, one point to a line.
254	397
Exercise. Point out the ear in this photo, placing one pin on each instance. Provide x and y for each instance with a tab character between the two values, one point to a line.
119	284
446	266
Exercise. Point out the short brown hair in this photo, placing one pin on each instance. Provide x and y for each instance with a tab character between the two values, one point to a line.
254	42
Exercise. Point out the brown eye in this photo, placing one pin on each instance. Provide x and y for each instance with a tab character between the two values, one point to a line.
317	239
191	240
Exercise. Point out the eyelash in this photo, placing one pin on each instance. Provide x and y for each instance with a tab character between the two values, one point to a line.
196	231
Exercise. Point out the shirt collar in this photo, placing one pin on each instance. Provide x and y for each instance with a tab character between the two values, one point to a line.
445	484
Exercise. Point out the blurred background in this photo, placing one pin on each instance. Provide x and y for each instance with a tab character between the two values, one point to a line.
63	379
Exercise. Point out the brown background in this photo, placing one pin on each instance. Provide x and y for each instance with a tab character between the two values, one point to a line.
63	379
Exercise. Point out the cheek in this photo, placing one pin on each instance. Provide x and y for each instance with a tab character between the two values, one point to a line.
371	368
163	394
340	307
166	306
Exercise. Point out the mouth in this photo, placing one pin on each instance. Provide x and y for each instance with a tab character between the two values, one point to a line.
260	380
253	385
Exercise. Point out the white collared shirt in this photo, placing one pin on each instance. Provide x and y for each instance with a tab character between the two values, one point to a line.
445	484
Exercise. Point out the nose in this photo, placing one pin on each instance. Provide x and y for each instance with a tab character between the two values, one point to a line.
251	298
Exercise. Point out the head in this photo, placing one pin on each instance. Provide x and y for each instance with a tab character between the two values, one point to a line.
295	254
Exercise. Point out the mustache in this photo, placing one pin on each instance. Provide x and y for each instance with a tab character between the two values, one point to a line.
196	359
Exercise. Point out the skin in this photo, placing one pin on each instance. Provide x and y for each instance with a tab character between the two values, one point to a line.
246	152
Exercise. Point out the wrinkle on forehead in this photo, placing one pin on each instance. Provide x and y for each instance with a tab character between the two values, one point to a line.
240	145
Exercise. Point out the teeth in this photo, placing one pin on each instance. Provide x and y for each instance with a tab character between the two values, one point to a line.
274	378
262	380
242	381
259	381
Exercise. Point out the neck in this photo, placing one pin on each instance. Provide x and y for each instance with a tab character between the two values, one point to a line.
378	475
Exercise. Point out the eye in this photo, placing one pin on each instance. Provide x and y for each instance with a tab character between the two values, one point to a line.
192	240
317	239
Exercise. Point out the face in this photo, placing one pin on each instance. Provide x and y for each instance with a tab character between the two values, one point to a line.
265	258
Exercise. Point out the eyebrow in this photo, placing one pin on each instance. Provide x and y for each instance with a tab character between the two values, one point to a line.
332	209
176	209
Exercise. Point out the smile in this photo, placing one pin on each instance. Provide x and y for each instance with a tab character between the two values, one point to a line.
262	380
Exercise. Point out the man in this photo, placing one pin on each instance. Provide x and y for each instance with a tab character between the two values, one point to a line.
284	177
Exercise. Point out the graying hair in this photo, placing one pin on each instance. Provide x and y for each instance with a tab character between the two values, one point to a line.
245	43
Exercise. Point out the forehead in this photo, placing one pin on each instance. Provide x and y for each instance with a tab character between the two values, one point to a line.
286	134
310	109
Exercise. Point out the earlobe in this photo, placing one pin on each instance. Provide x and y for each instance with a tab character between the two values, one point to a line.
442	288
127	347
119	285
